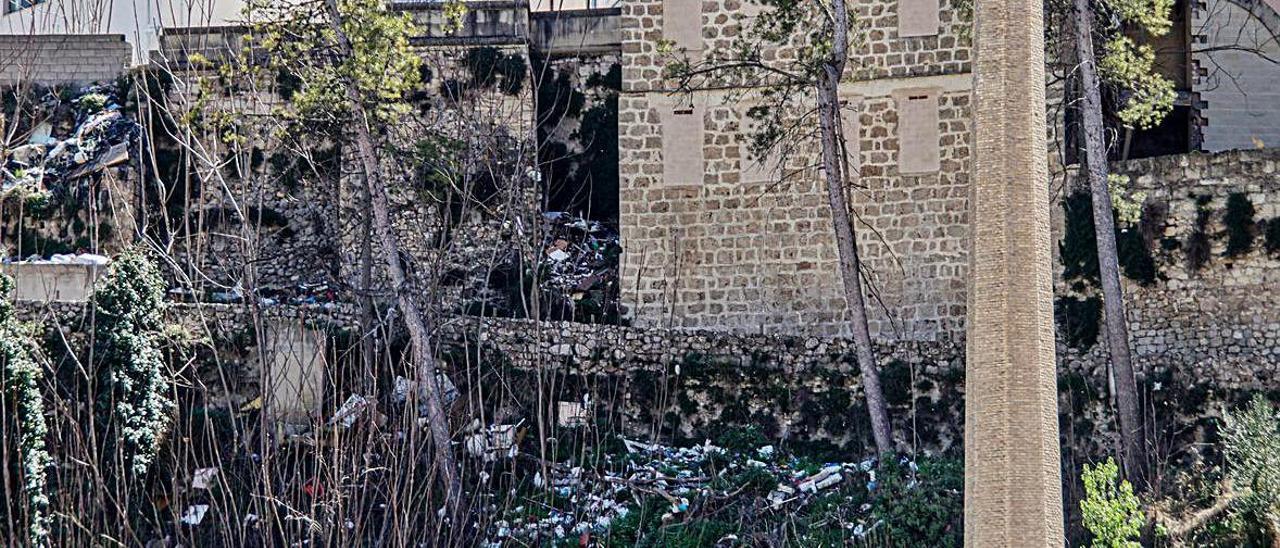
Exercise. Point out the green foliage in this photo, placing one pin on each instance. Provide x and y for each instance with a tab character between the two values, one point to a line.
489	67
1198	245
1251	441
1127	204
136	401
1136	261
1240	224
383	67
895	379
1150	15
742	440
1130	67
23	403
1078	249
925	506
1110	510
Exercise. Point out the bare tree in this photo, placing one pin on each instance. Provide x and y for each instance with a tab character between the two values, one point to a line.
819	70
1117	335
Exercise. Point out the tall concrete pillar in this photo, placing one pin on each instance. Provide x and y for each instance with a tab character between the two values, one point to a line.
1013	488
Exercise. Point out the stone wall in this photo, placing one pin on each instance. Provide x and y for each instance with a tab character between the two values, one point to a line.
63	59
699	384
1219	321
805	391
751	255
575	32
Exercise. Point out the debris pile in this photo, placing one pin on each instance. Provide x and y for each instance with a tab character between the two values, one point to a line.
579	267
92	259
321	294
683	482
69	140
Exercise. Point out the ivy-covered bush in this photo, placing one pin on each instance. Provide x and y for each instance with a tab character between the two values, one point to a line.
23	409
136	399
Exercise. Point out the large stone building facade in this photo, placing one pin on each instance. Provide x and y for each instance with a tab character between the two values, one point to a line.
712	241
727	245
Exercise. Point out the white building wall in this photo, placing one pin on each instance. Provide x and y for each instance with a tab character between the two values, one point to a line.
1240	89
140	21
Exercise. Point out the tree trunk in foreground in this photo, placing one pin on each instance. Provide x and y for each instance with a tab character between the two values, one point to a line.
415	321
1117	330
846	240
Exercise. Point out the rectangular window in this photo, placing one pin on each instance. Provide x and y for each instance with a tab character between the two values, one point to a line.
918	18
918	134
682	128
682	23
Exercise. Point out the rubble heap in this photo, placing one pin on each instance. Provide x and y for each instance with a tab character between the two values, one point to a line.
69	139
578	272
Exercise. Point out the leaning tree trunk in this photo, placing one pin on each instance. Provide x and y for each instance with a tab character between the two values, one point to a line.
1117	334
846	241
415	321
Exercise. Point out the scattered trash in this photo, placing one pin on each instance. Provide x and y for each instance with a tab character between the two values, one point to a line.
350	411
203	478
77	258
313	488
195	514
571	414
102	138
490	444
684	479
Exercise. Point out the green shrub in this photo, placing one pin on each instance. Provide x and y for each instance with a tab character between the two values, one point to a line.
136	402
1110	510
1272	241
23	404
925	506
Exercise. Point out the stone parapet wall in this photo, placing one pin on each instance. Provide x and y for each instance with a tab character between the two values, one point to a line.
1222	319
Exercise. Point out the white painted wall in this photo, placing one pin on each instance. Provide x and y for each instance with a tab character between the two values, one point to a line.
140	21
1240	88
552	5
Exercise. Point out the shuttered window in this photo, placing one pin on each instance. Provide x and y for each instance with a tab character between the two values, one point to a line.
682	23
918	18
682	128
917	130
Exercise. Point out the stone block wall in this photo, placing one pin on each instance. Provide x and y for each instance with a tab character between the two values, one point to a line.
879	50
63	59
751	256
